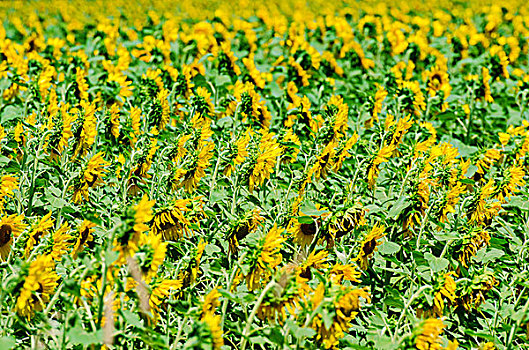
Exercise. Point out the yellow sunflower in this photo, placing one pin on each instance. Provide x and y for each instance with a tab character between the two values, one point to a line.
40	229
39	285
84	235
265	259
369	245
10	227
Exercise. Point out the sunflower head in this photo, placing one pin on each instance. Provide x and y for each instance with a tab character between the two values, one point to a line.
10	227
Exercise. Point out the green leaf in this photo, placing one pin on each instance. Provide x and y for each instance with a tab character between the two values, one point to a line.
132	318
305	220
223	80
401	204
327	318
11	113
309	208
388	248
7	343
78	335
436	264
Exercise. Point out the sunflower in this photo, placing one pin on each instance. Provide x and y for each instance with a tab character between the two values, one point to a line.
170	222
190	274
324	162
481	208
484	90
61	241
263	160
380	95
38	230
242	227
135	221
139	171
114	120
345	221
473	291
265	257
212	323
369	245
10	227
88	127
39	285
202	103
8	183
428	334
84	235
192	171
211	301
412	97
150	255
159	293
342	153
91	176
513	180
445	291
438	80
247	102
283	298
344	303
380	157
304	230
236	154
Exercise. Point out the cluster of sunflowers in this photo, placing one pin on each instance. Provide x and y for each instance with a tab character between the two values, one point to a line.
308	175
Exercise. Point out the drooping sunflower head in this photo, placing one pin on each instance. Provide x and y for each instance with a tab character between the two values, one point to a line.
84	236
150	255
39	285
39	229
369	245
344	221
241	228
10	227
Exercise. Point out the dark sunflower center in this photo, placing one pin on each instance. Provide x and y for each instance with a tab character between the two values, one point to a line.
308	229
5	234
369	246
84	236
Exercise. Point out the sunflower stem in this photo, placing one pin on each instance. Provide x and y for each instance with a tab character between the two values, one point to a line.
245	333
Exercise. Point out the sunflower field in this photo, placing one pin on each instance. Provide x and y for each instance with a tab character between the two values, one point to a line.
264	175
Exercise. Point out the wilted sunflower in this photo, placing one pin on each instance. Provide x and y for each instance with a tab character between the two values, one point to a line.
344	303
134	223
444	292
160	292
150	255
38	230
344	221
90	177
39	285
10	227
84	235
170	221
283	298
265	256
472	291
241	227
369	245
190	274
